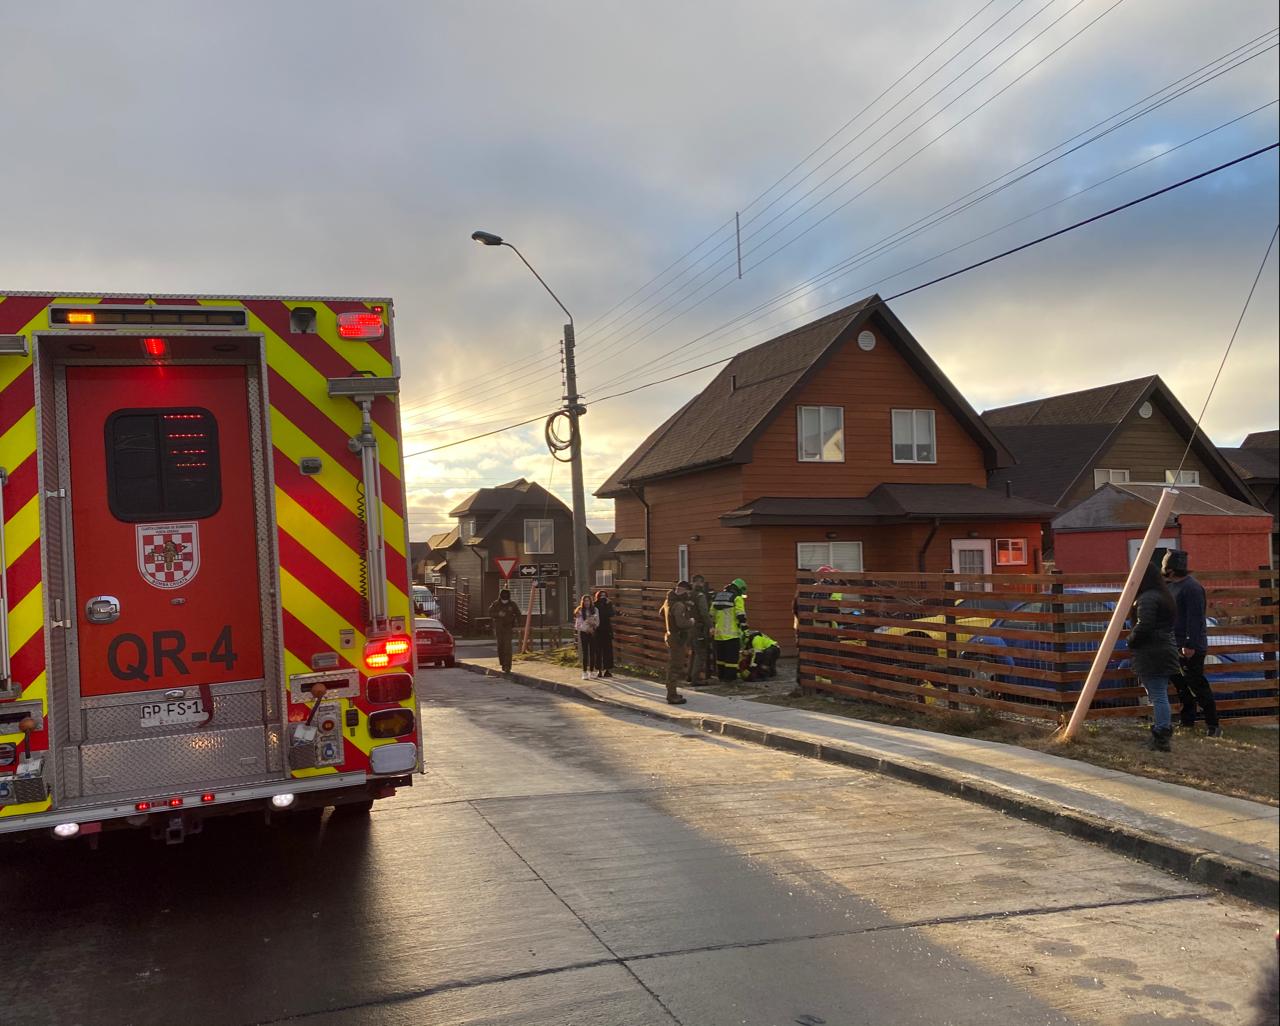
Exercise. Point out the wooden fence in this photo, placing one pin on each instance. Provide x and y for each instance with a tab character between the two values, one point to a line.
1018	643
637	624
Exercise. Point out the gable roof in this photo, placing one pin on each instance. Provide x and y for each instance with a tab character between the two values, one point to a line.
1123	507
1254	464
1057	439
720	424
1262	440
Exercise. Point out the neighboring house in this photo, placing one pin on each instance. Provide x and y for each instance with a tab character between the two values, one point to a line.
420	561
1102	533
839	443
617	559
520	519
1132	432
1257	461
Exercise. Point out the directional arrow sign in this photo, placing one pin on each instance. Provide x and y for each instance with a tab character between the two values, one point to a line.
505	565
528	569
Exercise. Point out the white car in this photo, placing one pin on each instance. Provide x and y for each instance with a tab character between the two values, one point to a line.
424	602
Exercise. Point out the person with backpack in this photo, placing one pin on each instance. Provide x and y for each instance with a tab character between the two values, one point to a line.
703	625
1153	650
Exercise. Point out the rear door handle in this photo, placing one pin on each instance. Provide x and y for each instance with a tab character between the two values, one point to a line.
102	609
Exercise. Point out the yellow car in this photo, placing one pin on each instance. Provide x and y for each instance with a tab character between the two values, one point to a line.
975	613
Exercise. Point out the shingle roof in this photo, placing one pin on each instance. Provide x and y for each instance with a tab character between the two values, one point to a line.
1055	439
1262	440
719	425
1107	404
889	503
1114	506
1050	458
1254	464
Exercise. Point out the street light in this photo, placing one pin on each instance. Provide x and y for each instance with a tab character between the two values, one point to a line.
574	410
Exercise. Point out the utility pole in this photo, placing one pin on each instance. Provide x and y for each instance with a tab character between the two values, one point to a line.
575	409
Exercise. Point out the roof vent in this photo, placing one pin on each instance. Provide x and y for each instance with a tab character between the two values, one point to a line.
733	382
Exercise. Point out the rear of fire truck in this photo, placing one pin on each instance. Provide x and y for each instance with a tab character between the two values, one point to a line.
203	561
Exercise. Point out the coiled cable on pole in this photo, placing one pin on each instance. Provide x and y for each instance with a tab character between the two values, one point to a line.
363	572
555	443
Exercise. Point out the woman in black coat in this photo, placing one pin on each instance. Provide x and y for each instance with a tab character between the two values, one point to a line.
1154	650
604	635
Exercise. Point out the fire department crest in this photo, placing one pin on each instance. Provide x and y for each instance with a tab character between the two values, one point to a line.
168	554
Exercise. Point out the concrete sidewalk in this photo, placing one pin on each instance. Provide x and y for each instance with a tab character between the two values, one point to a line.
1228	843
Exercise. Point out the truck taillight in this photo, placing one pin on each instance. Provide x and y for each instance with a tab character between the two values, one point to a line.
383	652
389	688
360	324
391	723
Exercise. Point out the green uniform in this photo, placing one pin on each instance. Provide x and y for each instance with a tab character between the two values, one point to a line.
677	623
703	624
504	615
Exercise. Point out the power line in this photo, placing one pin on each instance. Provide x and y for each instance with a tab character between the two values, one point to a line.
1227	352
800	291
917	288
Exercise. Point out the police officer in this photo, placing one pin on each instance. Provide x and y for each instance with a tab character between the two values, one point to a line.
504	615
677	622
703	625
764	655
1193	643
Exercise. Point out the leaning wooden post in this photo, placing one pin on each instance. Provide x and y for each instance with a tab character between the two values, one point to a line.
1103	655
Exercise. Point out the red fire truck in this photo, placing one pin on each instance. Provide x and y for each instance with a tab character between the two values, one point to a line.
203	561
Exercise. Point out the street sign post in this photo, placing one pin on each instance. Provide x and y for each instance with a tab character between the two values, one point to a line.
505	565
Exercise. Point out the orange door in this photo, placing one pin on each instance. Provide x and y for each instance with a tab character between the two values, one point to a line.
166	576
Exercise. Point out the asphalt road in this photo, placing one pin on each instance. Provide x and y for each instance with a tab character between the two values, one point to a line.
566	864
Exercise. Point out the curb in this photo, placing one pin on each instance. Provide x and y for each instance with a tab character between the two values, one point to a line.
1252	883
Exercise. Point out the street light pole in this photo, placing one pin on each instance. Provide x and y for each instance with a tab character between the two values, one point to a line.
574	409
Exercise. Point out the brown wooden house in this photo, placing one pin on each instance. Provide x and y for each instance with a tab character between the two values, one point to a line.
1128	433
839	443
1257	461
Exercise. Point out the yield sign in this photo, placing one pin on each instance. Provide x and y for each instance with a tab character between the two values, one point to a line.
506	565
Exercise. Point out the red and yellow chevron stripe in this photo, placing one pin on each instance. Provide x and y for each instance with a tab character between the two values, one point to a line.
320	535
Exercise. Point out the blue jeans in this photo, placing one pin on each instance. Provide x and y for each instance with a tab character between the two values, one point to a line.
1158	692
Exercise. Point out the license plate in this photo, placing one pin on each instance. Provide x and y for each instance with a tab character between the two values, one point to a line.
170	714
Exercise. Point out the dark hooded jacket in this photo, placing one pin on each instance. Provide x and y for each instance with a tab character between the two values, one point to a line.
1151	643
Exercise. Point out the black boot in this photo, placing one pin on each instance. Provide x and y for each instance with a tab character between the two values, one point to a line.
1160	739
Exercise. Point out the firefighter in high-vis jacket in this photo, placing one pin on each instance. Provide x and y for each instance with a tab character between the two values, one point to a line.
764	655
729	610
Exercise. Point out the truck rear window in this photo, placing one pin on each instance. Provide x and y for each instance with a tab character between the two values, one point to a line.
162	464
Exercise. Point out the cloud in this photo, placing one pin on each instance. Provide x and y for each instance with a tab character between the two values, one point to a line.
324	147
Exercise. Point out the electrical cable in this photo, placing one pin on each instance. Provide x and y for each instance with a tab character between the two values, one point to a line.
1227	352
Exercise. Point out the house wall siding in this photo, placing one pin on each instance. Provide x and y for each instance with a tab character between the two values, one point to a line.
1146	447
869	386
628	517
684	506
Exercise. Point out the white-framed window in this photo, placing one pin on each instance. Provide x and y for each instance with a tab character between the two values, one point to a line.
1011	551
604	578
845	555
682	562
820	434
1101	476
467	528
1166	544
1187	477
539	537
913	437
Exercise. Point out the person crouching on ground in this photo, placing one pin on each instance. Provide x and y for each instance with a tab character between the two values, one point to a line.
504	615
1193	644
764	655
586	621
1154	652
677	625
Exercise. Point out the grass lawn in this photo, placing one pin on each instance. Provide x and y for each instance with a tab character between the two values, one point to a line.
1244	764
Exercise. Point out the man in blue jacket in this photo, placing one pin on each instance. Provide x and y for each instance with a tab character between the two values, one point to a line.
1193	643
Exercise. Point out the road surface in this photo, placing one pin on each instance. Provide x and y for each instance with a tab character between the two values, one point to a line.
567	864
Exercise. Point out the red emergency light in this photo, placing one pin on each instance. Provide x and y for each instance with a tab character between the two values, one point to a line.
156	348
391	651
360	324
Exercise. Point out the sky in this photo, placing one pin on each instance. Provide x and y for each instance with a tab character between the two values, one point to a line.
351	148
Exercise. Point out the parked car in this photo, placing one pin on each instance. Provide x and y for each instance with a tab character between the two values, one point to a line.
424	601
978	613
433	641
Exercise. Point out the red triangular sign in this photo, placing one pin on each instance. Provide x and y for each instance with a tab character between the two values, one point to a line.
506	565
